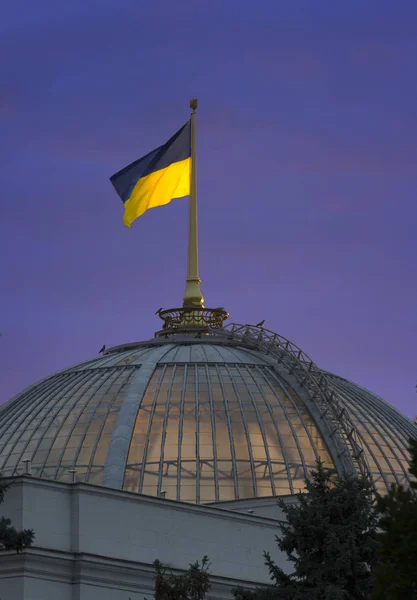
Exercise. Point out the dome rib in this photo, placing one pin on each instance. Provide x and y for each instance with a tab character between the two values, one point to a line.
230	432
264	437
278	434
214	435
114	467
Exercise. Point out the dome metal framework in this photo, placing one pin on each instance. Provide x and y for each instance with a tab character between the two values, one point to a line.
223	414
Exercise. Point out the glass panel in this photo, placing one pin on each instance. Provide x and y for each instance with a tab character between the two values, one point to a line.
96	475
226	492
131	479
12	460
298	485
264	489
188	446
382	421
188	492
41	412
207	492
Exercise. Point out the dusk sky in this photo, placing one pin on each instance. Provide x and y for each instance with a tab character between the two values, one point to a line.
307	177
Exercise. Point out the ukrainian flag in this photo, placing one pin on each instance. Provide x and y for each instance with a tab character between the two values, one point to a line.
157	178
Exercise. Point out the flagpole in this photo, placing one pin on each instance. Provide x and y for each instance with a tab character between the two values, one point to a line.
192	295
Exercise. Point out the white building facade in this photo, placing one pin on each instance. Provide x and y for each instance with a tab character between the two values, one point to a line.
94	543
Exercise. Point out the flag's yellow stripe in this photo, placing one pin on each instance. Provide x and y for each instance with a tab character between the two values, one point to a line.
158	188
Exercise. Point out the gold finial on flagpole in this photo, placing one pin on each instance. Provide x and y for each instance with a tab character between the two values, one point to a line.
192	295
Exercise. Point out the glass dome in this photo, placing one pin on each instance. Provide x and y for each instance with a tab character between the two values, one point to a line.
197	421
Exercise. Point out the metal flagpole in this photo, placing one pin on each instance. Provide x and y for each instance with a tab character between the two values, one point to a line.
192	295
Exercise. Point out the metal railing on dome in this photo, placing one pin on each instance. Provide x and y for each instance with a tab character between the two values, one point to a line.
191	320
308	374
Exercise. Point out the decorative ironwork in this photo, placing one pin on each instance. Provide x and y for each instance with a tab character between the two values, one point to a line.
189	320
318	385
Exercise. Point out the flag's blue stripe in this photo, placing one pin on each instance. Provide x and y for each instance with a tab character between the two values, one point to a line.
176	149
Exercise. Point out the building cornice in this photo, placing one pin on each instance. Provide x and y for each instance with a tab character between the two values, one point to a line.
79	488
100	571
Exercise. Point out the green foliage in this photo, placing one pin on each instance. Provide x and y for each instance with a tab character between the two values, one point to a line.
330	537
267	593
395	575
413	462
192	585
10	538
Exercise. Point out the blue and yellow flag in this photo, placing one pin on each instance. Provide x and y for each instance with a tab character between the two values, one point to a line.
157	178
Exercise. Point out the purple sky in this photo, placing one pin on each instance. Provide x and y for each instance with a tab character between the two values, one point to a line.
307	174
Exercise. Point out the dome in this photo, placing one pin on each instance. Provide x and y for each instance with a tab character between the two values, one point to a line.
235	413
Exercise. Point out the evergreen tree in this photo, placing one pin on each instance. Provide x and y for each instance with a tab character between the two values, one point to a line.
395	575
330	537
192	585
10	538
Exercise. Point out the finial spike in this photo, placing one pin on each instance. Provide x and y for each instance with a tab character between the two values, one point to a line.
193	104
